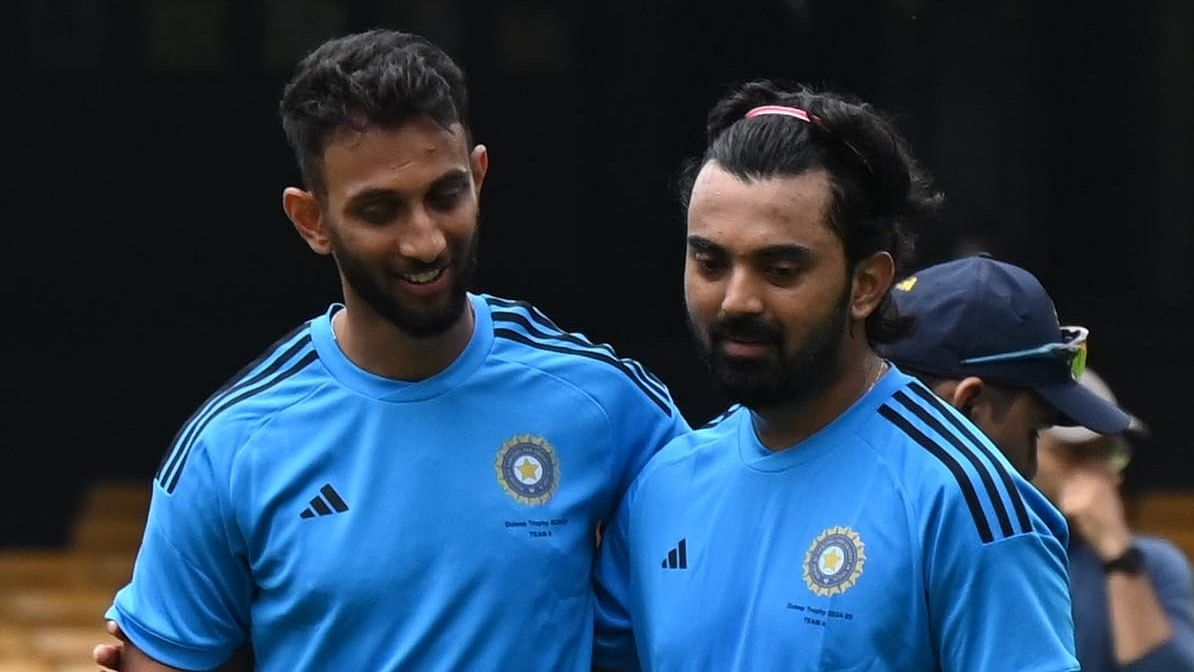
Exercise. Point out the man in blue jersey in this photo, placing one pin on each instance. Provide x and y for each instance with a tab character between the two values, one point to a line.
988	341
410	480
842	517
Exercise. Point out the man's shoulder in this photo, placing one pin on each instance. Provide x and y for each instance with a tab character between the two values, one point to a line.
527	336
692	452
284	374
947	465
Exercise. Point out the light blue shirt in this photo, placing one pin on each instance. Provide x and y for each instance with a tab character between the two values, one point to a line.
338	520
896	538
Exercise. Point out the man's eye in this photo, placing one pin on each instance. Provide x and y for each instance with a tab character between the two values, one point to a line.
446	200
707	262
782	272
377	213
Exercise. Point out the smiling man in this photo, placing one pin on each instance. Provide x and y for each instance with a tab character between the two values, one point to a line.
841	517
411	480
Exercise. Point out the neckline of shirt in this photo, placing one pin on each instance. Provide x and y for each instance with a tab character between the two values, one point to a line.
759	457
381	388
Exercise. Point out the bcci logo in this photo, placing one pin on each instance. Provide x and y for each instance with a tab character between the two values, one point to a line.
834	562
528	469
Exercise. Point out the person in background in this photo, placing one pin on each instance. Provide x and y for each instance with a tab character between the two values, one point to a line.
1132	593
987	340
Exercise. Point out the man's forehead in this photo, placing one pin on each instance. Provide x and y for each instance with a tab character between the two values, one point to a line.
749	213
420	135
420	150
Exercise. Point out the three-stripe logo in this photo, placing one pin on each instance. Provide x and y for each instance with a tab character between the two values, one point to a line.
677	558
320	505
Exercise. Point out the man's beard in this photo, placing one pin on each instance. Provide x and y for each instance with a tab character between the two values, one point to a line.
416	322
770	381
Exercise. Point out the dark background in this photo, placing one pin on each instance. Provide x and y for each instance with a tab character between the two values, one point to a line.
148	257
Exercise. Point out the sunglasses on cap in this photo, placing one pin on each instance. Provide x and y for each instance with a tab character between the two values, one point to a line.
1071	350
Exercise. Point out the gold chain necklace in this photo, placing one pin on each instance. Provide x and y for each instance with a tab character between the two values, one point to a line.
878	375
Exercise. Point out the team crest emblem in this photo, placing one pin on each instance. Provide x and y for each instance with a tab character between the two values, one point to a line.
907	284
528	469
834	562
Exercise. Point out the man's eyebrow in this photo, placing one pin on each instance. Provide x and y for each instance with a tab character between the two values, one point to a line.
374	194
703	244
790	252
785	252
452	178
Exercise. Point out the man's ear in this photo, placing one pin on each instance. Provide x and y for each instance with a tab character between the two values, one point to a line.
872	278
479	164
304	211
972	395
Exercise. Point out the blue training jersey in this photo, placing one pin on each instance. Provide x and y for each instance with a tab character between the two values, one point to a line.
896	538
337	520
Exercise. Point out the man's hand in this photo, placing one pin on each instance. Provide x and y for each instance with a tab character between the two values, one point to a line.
107	656
1090	499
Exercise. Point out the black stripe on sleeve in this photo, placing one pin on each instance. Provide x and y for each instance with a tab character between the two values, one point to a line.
968	493
185	453
520	337
235	384
522	320
720	418
1005	525
1013	492
546	322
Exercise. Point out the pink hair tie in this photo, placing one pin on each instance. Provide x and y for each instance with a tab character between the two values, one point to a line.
785	111
797	113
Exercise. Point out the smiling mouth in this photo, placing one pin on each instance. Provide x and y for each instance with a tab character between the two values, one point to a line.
425	277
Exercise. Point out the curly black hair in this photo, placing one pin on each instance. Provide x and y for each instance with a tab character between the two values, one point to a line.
375	78
880	192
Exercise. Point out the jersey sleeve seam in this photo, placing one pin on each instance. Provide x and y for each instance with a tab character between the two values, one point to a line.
251	433
143	629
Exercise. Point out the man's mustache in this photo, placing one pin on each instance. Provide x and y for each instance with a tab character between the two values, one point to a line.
746	329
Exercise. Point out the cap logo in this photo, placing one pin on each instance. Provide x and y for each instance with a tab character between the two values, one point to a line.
906	285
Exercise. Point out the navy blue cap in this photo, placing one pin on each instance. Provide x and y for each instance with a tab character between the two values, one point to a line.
977	306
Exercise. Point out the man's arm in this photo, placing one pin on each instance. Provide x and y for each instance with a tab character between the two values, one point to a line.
189	599
126	657
983	595
613	641
1140	624
1169	581
136	660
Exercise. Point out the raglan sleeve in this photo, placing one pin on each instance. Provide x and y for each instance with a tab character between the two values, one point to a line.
187	604
998	603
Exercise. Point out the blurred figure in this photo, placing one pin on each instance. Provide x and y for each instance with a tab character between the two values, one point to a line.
1132	594
987	340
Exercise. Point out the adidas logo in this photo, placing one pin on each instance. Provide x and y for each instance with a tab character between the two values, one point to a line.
319	505
677	558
